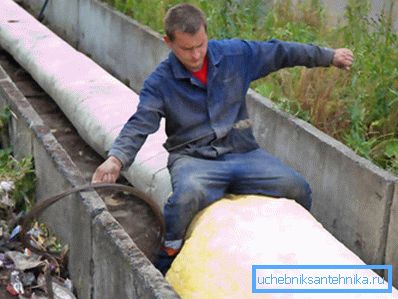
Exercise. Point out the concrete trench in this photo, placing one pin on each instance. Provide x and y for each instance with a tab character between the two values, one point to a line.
353	199
111	243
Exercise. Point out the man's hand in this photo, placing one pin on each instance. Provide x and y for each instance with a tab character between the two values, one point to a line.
107	172
343	58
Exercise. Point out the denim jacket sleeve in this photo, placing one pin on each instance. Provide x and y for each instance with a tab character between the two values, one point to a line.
270	56
144	121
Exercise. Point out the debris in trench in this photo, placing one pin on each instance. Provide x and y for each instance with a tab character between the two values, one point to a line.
28	275
55	260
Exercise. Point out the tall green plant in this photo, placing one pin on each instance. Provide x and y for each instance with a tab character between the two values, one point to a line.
374	86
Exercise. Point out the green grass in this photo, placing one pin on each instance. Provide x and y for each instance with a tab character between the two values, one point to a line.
18	173
22	175
359	107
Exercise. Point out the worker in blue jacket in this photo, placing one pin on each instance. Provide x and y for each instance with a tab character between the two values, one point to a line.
200	90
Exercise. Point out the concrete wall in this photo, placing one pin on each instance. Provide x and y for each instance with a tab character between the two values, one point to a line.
392	238
352	197
138	49
103	260
65	16
335	9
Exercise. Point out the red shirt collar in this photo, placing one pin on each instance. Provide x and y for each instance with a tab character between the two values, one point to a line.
201	75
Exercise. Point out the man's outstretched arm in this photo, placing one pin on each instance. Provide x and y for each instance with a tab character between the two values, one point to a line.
273	55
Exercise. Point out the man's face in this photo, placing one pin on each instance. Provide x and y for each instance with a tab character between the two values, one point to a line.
190	49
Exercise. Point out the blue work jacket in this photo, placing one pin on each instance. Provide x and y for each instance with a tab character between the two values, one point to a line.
209	120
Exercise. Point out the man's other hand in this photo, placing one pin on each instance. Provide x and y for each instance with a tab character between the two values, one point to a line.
343	58
107	172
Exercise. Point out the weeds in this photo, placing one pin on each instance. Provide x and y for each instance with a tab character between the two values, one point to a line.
21	175
17	178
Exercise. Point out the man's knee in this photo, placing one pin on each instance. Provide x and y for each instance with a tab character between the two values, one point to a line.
297	188
187	188
181	204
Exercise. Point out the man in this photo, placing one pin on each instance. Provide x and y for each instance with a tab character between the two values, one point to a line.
200	89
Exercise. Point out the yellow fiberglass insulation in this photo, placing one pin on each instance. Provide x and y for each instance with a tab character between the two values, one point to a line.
228	237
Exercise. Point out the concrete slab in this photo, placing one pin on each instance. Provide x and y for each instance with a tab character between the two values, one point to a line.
128	266
21	139
392	239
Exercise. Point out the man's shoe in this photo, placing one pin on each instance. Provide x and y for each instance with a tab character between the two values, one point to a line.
163	261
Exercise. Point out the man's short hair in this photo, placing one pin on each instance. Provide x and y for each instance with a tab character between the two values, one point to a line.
183	17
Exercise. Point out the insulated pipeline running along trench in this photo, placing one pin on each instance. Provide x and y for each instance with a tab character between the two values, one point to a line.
132	213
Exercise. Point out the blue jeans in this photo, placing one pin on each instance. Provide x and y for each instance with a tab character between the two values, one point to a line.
199	182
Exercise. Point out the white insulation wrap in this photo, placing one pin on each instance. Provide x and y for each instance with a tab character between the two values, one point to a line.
228	237
97	104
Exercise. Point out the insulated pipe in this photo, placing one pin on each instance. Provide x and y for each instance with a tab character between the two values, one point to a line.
227	238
